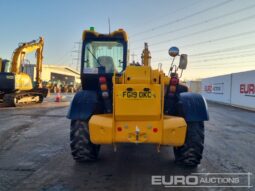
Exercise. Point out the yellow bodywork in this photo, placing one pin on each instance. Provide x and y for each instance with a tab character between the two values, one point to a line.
104	130
23	82
138	111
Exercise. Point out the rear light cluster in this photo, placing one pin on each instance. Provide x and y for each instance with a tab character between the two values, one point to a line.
103	86
102	80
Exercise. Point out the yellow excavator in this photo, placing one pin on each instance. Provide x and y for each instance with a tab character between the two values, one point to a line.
16	87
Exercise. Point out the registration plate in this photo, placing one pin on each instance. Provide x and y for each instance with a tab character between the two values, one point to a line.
137	95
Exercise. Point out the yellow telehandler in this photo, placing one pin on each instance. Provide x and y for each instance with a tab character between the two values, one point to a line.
121	103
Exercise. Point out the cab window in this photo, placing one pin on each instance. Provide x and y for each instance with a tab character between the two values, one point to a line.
108	54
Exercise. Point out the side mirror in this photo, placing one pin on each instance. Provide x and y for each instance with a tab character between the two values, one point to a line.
183	61
173	51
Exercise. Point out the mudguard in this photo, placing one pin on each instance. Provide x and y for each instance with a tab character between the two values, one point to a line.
83	105
192	107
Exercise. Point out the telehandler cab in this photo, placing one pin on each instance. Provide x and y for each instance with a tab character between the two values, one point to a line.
122	103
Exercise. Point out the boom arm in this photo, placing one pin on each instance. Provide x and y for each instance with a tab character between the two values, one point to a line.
22	50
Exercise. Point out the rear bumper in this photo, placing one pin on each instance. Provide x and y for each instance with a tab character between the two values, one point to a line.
170	130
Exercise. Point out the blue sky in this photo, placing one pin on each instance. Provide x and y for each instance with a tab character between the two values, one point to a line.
197	27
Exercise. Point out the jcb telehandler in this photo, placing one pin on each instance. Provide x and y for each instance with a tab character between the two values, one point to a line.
16	86
122	103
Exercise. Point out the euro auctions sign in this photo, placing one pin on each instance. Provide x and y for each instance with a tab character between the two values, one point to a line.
243	89
216	88
247	89
236	89
204	180
208	88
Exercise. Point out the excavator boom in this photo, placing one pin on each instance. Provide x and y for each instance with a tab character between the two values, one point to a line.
20	53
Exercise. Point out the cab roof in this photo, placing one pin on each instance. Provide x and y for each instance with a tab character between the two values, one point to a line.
118	34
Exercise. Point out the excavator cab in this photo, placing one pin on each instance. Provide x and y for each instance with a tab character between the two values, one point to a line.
5	65
102	54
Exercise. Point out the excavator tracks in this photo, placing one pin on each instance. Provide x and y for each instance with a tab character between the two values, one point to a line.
19	99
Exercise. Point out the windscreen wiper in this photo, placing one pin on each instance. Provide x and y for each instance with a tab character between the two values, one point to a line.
94	57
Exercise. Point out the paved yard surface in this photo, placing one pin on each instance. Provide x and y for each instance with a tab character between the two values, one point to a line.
35	153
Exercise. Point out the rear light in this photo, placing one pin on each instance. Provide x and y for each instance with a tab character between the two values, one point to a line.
102	80
103	87
155	130
105	94
119	128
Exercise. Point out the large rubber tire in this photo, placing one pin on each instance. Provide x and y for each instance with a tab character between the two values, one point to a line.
82	148
190	154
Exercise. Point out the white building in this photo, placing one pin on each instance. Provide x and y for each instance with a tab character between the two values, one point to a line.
54	73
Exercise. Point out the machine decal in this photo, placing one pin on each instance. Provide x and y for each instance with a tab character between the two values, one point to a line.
10	77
